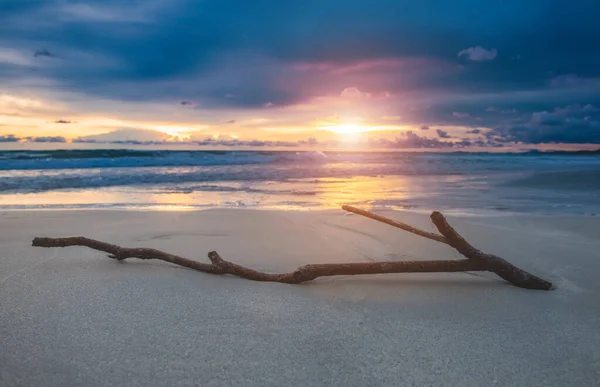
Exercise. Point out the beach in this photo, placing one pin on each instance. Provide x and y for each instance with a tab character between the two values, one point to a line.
72	316
191	193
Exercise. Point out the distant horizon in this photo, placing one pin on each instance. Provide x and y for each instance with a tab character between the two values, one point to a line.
187	147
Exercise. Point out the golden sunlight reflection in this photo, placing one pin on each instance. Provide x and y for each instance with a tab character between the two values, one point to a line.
337	192
295	194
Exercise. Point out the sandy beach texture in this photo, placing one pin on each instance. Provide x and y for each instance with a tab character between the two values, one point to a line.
74	317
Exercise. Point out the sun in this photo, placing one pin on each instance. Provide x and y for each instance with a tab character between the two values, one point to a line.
346	128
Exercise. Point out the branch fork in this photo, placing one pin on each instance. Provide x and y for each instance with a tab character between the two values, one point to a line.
476	260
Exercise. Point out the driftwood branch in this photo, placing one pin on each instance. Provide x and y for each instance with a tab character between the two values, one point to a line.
476	260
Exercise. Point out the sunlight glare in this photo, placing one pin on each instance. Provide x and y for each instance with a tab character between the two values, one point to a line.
174	132
347	128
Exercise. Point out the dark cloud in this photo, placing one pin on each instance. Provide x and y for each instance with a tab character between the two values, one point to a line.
64	122
409	140
311	141
474	131
570	124
43	53
424	127
463	143
47	139
9	138
247	143
442	133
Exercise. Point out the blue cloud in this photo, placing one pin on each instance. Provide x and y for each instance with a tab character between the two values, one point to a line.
10	138
572	124
55	139
442	133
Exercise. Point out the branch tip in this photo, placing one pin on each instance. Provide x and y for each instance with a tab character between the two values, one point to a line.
215	258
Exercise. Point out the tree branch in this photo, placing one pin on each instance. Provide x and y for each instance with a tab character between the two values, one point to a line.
476	260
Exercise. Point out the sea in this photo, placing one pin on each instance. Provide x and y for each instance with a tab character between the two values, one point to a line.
168	180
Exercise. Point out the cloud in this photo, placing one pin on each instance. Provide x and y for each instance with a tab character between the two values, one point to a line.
391	118
353	92
10	56
479	54
566	80
64	122
151	137
43	53
13	138
491	109
311	141
410	140
210	141
424	127
572	124
474	131
442	133
82	12
461	115
47	139
127	135
10	138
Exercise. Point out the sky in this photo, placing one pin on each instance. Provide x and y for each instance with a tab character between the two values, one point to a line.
466	74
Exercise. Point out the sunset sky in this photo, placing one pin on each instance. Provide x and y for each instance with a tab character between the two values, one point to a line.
377	74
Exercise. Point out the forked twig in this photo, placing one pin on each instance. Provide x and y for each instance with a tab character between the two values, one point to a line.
476	260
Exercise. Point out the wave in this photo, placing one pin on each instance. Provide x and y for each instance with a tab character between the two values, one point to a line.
228	188
123	158
204	176
114	158
37	171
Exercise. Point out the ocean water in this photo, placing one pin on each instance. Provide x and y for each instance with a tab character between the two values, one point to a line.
469	183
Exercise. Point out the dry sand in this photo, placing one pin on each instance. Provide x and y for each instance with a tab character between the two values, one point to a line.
74	317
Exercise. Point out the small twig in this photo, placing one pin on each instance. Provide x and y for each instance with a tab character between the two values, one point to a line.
400	225
476	260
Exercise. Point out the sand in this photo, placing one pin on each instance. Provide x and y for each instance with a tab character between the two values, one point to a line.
73	317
